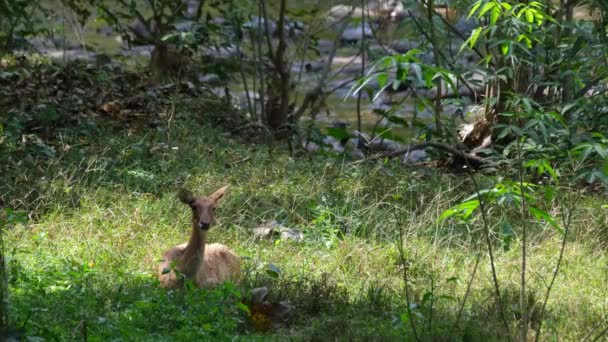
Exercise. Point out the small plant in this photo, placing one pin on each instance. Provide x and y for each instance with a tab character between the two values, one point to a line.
325	226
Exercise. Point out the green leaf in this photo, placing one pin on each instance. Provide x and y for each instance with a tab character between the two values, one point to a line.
494	15
543	215
504	48
475	36
273	271
474	8
382	79
338	133
243	307
488	6
529	16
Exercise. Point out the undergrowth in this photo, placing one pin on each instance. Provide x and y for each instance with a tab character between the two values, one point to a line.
85	227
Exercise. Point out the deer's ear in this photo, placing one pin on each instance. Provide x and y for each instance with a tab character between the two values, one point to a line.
218	194
185	196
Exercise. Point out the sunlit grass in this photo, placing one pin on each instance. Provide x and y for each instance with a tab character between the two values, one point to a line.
101	219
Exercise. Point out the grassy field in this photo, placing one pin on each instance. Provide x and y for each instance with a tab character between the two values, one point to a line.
85	239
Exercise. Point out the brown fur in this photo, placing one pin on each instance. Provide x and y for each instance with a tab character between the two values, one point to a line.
205	265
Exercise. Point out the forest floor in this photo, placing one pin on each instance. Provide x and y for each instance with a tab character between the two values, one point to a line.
91	207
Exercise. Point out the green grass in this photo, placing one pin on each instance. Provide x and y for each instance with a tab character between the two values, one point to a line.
102	214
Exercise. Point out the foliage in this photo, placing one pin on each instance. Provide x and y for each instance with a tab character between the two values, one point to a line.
19	19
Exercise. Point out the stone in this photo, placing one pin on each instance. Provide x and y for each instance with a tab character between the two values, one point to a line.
212	79
257	23
291	234
140	50
272	228
106	31
192	7
307	66
466	26
402	45
259	295
353	34
325	46
184	26
416	156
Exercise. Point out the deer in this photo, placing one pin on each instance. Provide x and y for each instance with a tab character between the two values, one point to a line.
205	265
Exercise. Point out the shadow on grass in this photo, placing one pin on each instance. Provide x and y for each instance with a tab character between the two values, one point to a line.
69	301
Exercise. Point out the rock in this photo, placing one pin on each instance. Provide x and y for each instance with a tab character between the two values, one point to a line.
211	79
192	7
257	23
221	52
403	45
398	12
291	234
140	50
273	228
325	46
265	231
71	55
307	66
106	31
353	34
259	295
414	156
466	26
40	43
184	26
141	30
343	11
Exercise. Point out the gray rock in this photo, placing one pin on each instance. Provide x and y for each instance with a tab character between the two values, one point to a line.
343	11
71	55
403	45
141	30
291	234
273	228
325	46
354	34
184	26
465	26
259	295
140	50
415	156
106	31
192	7
307	66
212	79
265	231
259	24
221	52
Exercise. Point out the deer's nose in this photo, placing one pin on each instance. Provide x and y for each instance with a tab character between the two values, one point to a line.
204	225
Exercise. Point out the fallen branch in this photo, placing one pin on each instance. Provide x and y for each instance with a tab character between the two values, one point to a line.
422	146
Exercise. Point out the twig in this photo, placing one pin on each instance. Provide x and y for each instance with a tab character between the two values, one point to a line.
566	221
405	278
522	291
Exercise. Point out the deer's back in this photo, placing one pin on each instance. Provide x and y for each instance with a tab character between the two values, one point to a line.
220	264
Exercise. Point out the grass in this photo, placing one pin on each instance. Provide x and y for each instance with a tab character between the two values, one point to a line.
101	224
88	213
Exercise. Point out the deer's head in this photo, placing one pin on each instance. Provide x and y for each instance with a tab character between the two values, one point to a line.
203	208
